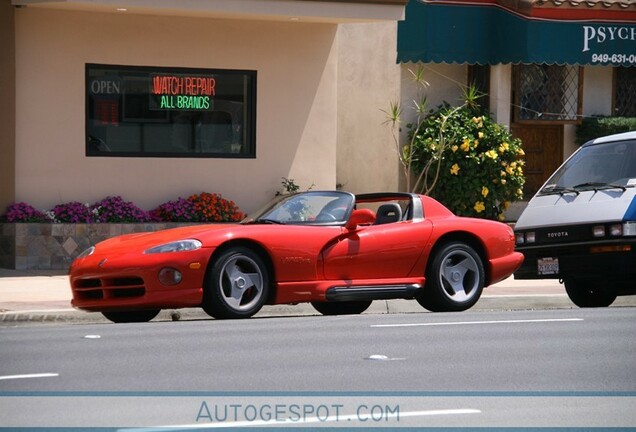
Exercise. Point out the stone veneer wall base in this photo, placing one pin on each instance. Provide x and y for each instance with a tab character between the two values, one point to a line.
47	246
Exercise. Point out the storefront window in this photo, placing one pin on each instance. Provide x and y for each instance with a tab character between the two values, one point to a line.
170	112
479	78
547	93
625	91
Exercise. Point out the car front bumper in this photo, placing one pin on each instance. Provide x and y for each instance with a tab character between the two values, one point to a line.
117	284
610	261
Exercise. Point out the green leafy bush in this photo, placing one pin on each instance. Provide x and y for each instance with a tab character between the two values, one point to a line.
468	162
594	127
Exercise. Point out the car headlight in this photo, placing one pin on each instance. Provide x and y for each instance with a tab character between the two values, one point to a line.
616	230
87	252
525	237
176	246
598	231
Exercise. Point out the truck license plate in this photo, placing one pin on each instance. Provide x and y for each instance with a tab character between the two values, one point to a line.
548	266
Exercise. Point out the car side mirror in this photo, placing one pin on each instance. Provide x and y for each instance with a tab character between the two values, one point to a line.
360	217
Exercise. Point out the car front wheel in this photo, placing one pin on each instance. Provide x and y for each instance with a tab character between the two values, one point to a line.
587	294
131	316
341	308
454	280
237	285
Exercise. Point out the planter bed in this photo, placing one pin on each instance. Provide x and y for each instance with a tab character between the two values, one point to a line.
49	246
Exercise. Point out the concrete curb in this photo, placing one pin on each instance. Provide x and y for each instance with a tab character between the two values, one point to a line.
486	303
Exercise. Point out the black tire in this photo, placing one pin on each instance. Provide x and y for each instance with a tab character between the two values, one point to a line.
454	280
131	316
587	294
341	308
237	284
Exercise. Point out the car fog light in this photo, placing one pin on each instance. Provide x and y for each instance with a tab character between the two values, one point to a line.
170	276
598	231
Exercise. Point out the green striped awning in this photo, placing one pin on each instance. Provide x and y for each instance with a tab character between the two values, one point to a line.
486	33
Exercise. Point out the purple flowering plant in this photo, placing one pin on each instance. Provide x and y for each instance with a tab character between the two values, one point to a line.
73	212
180	210
115	209
23	212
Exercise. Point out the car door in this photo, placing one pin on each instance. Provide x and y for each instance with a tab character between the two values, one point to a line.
377	251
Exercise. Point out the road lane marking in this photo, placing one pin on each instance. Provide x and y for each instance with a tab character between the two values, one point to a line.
521	295
24	376
337	418
479	322
29	311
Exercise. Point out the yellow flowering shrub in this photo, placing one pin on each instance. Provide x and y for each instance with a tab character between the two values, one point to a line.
484	177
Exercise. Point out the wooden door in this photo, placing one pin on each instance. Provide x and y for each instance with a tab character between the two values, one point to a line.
543	145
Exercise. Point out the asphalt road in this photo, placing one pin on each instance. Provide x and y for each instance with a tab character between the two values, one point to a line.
569	367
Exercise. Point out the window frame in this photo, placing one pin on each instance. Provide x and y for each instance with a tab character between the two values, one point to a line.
249	122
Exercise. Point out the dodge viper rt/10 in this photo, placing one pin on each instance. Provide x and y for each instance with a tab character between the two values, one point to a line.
333	249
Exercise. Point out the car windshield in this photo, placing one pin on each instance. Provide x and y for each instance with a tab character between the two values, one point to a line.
310	208
595	167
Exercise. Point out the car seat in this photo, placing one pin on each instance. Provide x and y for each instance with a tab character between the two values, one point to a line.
388	213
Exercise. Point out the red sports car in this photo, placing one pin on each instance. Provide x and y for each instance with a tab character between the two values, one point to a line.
333	249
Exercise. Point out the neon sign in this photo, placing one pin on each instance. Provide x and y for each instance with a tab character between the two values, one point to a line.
183	92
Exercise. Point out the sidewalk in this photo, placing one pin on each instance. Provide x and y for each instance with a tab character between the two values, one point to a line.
45	296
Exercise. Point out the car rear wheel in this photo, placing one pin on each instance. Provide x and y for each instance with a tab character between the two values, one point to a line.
454	280
131	316
237	285
341	308
587	294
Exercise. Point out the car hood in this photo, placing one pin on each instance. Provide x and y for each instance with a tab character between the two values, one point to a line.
587	207
209	234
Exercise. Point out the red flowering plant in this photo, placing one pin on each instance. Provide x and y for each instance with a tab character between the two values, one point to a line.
210	207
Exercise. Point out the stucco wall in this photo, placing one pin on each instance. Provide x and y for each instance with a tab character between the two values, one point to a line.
368	79
445	84
296	105
501	93
597	90
597	100
7	112
444	81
